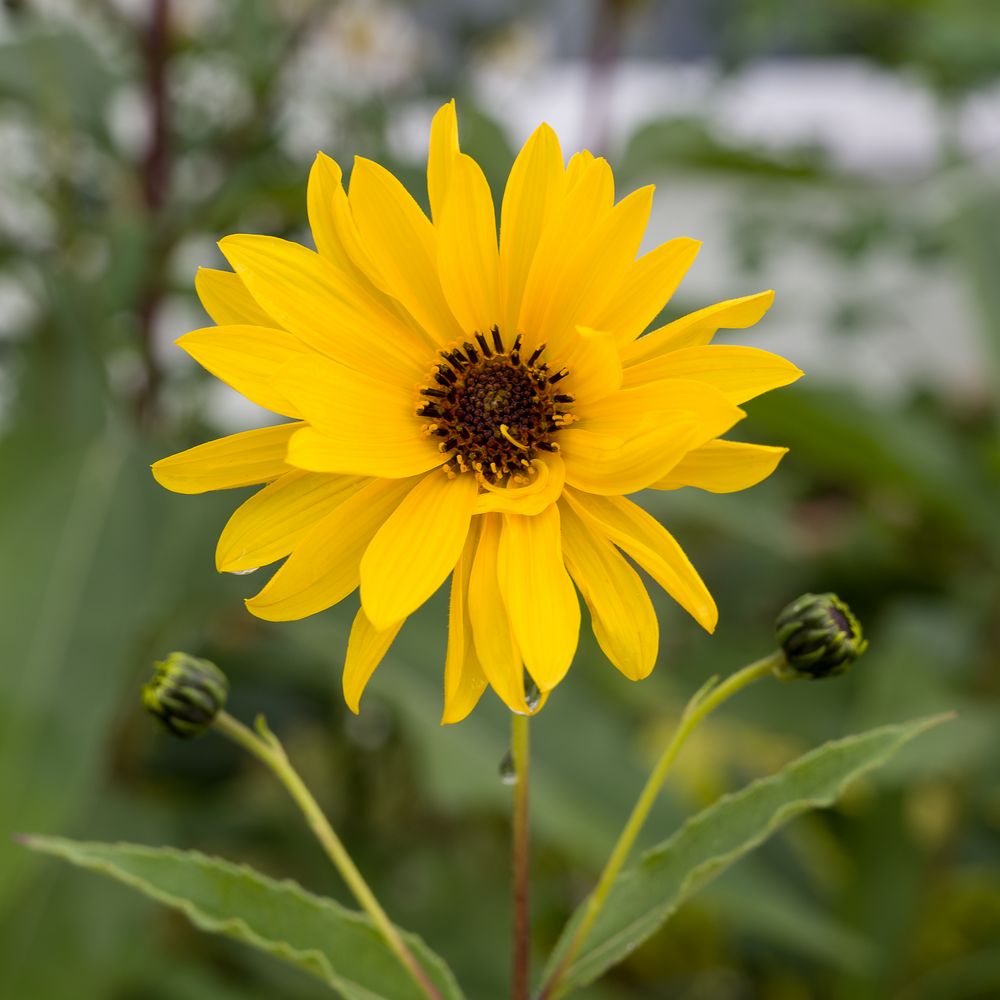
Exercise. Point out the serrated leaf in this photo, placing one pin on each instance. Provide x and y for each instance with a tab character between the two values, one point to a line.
338	946
646	894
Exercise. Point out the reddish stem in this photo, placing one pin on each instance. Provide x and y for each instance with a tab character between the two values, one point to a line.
155	178
521	950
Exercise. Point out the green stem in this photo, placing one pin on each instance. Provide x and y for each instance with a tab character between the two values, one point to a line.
521	947
270	752
697	709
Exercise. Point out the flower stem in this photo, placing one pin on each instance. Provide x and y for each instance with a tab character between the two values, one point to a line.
521	949
701	705
266	748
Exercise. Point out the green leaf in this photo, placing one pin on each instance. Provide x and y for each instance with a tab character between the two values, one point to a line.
645	895
688	143
338	946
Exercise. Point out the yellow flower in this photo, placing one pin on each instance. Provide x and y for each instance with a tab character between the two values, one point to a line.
467	407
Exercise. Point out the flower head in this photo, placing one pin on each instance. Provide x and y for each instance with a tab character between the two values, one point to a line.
476	408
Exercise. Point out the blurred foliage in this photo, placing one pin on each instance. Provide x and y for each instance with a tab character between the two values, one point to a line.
953	44
888	499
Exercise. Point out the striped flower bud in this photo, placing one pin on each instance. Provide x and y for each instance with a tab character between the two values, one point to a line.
820	637
186	694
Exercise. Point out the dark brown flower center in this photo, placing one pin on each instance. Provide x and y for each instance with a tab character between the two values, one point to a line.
494	409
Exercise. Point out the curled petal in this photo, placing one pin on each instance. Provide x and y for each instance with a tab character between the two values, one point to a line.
545	487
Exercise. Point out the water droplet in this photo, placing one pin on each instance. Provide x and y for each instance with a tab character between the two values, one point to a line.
243	572
532	696
507	773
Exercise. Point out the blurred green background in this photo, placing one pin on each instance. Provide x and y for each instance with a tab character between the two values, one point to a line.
845	153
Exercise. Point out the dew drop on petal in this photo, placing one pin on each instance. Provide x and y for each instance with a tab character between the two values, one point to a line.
243	572
532	696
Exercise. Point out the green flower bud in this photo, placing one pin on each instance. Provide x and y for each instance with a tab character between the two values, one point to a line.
186	694
820	637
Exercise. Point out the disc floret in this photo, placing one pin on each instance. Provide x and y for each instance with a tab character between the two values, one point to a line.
494	409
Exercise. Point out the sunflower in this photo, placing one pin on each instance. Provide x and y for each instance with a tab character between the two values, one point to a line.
476	408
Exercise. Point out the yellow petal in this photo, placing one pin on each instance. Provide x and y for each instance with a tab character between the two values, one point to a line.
545	487
646	406
227	300
621	613
633	438
584	167
593	362
331	394
362	426
646	288
595	269
366	648
638	461
645	540
699	327
467	248
570	224
538	595
442	151
464	680
723	467
243	459
324	567
491	632
361	455
740	373
325	182
246	358
578	165
403	246
417	547
335	232
534	188
273	521
326	308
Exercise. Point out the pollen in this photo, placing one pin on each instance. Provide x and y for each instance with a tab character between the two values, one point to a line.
494	409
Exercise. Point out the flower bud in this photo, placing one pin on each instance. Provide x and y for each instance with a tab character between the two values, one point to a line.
820	637
186	694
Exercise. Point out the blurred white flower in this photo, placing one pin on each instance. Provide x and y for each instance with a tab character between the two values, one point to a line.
209	93
25	220
362	49
365	48
128	120
517	50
